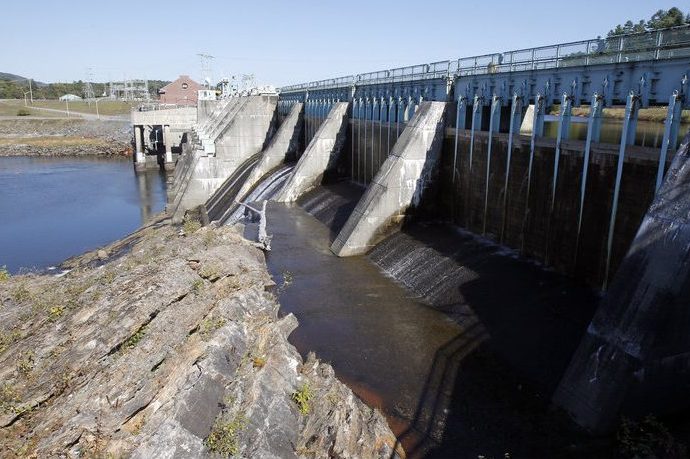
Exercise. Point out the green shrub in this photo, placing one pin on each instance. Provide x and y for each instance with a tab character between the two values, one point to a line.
23	112
223	437
302	397
4	273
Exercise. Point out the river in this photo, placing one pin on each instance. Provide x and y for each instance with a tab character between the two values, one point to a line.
54	208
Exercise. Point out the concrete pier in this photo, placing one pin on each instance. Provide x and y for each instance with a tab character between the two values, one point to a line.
320	156
139	156
245	135
398	185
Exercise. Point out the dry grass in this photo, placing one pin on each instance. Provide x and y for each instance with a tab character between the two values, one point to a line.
105	107
11	108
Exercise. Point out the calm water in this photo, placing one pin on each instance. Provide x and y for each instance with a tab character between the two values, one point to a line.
647	134
54	208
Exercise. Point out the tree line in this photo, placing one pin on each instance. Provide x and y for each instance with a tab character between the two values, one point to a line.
662	19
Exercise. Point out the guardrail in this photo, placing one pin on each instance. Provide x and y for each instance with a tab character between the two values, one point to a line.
646	46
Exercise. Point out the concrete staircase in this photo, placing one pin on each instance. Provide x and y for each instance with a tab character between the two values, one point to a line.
204	136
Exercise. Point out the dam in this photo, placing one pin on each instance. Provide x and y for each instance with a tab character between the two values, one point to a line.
514	236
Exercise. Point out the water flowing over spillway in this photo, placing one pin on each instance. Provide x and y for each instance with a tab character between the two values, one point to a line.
332	204
453	337
265	190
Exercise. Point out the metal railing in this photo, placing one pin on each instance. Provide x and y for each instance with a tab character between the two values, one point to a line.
645	46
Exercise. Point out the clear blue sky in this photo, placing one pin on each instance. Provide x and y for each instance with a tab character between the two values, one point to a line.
284	42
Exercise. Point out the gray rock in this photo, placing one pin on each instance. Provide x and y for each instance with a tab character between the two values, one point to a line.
168	341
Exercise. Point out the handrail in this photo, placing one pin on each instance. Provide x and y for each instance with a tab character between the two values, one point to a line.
643	46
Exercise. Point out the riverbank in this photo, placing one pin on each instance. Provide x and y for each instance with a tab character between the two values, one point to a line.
64	137
168	342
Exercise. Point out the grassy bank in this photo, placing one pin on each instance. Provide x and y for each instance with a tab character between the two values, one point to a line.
14	108
105	107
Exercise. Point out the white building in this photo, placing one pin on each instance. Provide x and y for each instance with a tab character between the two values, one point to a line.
69	97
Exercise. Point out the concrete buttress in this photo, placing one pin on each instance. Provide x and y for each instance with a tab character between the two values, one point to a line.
320	155
398	185
631	356
283	143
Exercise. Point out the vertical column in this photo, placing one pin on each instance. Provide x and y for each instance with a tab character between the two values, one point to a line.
627	138
382	108
139	157
563	133
167	140
671	126
374	116
476	124
359	139
364	153
353	118
593	134
494	123
537	131
515	118
398	117
461	101
389	118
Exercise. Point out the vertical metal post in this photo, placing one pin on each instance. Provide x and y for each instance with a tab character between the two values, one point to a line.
374	104
515	121
309	106
494	123
352	139
462	107
537	131
627	138
366	115
476	124
671	127
381	108
359	138
399	116
563	131
388	122
593	134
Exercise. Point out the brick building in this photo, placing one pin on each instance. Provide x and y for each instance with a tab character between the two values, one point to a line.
182	91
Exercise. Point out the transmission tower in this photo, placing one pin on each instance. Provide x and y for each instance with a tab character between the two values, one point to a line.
206	69
88	87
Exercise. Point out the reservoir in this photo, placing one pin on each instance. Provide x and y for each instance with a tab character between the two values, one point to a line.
54	208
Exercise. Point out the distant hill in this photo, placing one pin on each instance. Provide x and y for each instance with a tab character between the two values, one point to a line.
12	77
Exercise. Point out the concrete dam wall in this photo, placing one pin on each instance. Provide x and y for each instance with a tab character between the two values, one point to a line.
520	193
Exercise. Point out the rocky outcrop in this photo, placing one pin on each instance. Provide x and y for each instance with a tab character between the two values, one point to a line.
168	344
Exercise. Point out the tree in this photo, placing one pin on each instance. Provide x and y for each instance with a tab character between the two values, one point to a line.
671	18
659	20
